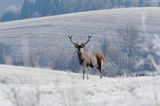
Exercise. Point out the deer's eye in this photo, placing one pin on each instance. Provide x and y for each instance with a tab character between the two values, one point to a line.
82	45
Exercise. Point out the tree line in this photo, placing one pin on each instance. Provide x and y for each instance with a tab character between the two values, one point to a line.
39	8
133	54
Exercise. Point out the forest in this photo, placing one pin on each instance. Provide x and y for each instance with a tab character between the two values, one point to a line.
40	8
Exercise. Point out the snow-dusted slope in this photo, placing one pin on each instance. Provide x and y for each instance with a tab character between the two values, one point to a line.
48	35
51	31
20	86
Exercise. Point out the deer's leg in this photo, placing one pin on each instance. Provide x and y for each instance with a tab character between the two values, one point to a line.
87	74
83	72
101	69
101	73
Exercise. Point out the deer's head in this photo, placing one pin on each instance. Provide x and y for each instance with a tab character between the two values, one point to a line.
79	47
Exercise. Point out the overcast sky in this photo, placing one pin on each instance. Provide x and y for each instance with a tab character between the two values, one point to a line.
4	4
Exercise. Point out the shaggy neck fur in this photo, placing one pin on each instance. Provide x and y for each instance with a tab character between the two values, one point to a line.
84	59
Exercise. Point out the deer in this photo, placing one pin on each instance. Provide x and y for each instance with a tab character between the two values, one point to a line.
86	60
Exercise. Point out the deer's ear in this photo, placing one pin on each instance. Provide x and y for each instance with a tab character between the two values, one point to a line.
82	45
76	46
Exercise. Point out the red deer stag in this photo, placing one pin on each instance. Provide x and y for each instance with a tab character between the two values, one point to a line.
88	60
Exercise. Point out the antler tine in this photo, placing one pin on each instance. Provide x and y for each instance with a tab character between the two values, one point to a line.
89	36
70	37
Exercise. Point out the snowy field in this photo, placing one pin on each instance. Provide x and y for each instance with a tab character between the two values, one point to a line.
20	86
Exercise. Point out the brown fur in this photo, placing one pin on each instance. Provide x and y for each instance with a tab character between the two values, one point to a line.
100	59
89	60
86	60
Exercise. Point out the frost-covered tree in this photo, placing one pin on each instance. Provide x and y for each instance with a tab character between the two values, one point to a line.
5	53
28	9
150	61
105	46
113	59
35	8
129	45
12	13
73	63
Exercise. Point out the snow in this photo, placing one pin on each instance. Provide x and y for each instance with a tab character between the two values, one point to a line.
22	86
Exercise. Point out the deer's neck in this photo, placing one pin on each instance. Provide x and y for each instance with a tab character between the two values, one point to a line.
81	57
85	59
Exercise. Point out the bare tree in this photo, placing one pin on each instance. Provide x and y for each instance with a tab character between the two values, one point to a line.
73	63
129	44
5	53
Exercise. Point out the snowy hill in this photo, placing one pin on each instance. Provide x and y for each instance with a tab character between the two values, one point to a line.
33	38
21	86
43	42
99	23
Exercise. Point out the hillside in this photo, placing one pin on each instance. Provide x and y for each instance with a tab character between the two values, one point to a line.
21	86
43	42
101	23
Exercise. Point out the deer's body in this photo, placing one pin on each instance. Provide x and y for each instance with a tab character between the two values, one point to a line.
89	60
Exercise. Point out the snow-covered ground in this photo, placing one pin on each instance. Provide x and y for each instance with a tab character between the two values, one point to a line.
21	86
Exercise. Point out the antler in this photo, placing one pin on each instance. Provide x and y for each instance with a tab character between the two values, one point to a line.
89	36
70	37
